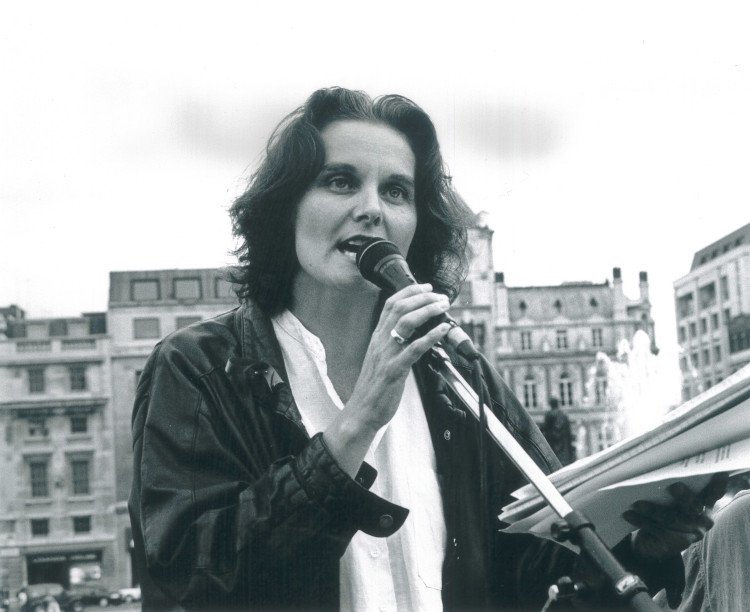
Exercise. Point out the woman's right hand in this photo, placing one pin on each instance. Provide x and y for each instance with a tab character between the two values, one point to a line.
378	390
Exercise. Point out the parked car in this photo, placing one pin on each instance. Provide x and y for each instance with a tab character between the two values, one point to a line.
90	595
127	594
48	597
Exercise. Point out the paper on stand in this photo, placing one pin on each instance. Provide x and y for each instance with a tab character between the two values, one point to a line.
730	426
604	507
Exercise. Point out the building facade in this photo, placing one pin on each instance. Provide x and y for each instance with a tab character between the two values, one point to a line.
57	490
712	307
557	341
549	341
145	306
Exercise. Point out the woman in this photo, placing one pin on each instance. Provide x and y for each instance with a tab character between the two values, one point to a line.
298	452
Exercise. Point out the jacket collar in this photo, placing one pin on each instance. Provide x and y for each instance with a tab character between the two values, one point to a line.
260	355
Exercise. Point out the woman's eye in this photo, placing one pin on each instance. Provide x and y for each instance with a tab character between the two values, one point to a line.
397	193
339	183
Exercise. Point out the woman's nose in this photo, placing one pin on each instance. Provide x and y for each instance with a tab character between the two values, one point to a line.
368	207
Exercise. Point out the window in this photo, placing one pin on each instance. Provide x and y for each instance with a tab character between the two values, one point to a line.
707	295
693	330
706	357
479	335
185	321
683	364
78	378
39	482
58	327
566	391
522	307
79	423
39	527
600	390
558	306
562	338
681	333
727	316
717	353
714	321
36	380
37	427
145	328
596	337
187	288
80	473
593	303
724	288
81	524
694	360
525	340
704	325
144	290
685	306
529	392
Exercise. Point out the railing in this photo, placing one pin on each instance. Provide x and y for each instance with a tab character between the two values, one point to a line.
78	344
33	346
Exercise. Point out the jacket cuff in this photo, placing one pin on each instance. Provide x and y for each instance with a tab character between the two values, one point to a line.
344	498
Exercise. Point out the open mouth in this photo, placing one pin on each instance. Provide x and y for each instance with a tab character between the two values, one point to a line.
350	247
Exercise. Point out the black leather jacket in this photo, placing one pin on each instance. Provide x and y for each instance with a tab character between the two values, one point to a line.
233	506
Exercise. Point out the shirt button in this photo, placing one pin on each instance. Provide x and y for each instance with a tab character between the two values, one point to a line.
447	434
386	520
374	553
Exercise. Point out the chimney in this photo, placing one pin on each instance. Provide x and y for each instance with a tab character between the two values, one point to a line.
618	296
643	286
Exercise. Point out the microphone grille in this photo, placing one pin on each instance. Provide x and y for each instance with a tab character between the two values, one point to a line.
371	253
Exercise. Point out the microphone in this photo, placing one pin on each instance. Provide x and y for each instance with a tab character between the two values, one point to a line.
380	262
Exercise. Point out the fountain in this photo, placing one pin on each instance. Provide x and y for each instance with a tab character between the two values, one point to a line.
627	388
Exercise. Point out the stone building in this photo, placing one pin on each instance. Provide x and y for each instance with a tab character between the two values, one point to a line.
145	306
712	304
555	341
57	490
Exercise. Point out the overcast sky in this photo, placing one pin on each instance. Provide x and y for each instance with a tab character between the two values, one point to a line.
594	134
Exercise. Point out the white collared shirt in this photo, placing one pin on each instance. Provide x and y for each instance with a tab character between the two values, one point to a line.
403	571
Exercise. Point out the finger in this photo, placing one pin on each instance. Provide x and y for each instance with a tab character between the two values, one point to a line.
415	302
687	502
665	523
673	517
422	316
421	345
406	292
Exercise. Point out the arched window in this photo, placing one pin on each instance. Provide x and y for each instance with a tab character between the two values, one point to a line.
593	303
558	306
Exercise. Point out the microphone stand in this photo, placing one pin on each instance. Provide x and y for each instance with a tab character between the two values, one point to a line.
576	527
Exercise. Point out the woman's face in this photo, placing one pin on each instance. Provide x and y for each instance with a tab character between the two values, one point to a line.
365	189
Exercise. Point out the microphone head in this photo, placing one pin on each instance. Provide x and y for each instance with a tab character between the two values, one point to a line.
381	263
370	253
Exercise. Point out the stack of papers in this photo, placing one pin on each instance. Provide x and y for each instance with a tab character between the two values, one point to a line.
706	435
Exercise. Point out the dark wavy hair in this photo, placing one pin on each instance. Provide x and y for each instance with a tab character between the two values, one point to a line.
263	216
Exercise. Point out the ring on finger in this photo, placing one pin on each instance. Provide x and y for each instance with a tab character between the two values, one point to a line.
398	337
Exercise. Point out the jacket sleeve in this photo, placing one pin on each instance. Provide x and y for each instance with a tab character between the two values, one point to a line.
221	527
